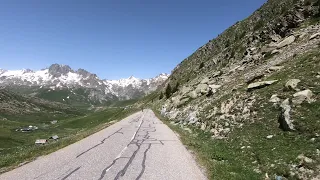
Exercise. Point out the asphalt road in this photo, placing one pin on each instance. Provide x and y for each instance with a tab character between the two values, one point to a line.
138	147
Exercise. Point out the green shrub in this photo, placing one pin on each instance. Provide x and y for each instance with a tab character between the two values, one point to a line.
168	91
258	25
161	96
176	87
201	65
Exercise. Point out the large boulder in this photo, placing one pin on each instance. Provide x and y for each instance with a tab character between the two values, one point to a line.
185	90
287	41
163	110
292	84
203	126
275	99
205	80
285	122
261	84
193	94
213	88
314	36
300	97
275	68
304	159
183	101
202	88
192	118
176	100
216	74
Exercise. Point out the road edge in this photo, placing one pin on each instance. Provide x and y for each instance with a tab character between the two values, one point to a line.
195	157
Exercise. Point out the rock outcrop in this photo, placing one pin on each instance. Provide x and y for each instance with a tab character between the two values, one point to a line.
261	84
287	41
292	84
300	97
284	119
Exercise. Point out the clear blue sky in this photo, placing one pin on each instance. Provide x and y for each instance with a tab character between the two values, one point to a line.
112	38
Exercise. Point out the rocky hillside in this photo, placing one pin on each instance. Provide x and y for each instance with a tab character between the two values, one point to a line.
63	84
255	89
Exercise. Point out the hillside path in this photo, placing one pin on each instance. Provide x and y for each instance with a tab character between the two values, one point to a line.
138	147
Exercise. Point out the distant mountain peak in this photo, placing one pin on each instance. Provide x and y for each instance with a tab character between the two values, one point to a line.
59	76
83	72
57	70
163	75
2	71
27	71
132	78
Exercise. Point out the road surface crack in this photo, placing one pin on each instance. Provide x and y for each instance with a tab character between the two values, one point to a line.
108	167
101	142
144	162
124	170
118	157
71	173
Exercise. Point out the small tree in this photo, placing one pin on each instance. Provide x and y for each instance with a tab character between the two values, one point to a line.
168	91
161	95
201	65
176	87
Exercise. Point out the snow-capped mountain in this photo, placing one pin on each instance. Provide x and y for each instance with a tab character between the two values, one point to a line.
61	77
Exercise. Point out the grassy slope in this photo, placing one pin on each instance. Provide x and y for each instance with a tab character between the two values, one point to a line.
232	159
17	104
18	147
78	97
123	103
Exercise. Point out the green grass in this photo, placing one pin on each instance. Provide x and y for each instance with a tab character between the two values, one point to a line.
123	103
77	98
18	147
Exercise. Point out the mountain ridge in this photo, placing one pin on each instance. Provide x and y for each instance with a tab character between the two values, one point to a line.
61	77
61	69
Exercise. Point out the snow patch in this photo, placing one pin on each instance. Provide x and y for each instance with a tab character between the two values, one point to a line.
72	79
